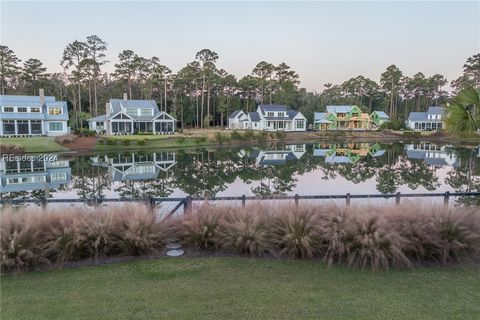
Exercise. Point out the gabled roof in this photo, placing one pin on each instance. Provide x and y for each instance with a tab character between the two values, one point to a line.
382	114
339	109
272	108
254	116
22	115
417	116
23	101
119	104
292	113
321	117
436	110
235	113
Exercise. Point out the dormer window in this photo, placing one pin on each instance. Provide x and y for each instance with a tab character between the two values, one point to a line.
22	109
280	114
54	111
146	112
34	109
132	112
270	114
8	109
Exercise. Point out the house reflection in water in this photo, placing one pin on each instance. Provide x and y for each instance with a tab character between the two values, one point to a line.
432	154
35	173
347	152
275	156
135	166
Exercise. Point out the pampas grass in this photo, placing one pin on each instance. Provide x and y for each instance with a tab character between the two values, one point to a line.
359	236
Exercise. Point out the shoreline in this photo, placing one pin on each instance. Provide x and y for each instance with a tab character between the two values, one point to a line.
204	138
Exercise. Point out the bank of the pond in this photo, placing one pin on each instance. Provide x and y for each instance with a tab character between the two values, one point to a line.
217	137
239	288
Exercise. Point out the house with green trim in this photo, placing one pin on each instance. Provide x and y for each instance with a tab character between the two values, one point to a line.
348	118
347	153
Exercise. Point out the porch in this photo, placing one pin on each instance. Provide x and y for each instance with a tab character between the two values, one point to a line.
22	127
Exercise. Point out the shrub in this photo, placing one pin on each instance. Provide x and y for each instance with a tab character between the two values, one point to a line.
244	232
181	140
249	135
393	125
220	138
412	134
199	230
111	142
126	142
236	135
12	149
101	141
280	134
65	139
294	232
141	142
262	136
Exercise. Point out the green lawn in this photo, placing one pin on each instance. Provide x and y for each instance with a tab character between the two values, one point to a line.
34	144
151	142
240	288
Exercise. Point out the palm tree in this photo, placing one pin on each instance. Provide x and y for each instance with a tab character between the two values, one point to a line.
463	116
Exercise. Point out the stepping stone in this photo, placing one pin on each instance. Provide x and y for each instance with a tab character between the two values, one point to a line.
172	246
175	253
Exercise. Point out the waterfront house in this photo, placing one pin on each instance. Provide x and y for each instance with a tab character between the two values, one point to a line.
270	117
33	116
430	120
125	116
135	166
33	173
347	153
348	118
275	156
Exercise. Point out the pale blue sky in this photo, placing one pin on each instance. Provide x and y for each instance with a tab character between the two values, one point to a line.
322	41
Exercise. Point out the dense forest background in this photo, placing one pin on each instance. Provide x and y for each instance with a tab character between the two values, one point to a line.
202	95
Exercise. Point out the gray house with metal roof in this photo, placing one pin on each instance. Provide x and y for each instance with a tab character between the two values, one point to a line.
33	116
125	116
269	117
430	120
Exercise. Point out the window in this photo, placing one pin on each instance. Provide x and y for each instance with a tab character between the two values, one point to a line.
34	109
55	126
58	176
36	126
145	112
132	112
8	109
280	114
38	179
270	114
55	111
9	126
22	109
280	125
22	126
300	124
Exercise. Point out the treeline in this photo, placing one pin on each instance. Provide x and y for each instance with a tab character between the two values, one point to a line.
202	95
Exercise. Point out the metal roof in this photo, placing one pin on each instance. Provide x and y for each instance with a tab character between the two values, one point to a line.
382	114
273	107
98	118
339	109
418	116
23	101
436	110
119	104
235	113
22	115
254	116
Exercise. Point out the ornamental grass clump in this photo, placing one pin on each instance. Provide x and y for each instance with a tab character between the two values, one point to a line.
20	246
332	232
294	232
199	229
244	231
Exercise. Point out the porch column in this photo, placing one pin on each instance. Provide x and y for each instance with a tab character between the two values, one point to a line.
153	126
16	129
29	127
131	127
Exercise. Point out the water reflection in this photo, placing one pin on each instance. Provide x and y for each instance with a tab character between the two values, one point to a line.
334	168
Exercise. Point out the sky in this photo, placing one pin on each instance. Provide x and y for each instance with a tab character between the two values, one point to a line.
324	42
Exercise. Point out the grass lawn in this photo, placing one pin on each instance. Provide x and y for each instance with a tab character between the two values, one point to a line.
240	288
35	144
151	142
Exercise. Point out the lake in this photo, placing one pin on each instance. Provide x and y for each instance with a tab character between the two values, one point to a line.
304	169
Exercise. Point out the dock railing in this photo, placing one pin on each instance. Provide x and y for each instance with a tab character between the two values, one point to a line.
187	202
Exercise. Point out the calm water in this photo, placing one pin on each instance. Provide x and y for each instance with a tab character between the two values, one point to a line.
306	169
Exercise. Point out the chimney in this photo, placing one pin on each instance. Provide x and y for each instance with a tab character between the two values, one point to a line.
42	96
125	96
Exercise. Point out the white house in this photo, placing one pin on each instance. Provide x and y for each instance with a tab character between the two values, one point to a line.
269	117
33	116
132	116
430	120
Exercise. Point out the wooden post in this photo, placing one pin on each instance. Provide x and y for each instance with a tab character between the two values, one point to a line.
187	205
397	199
446	197
296	199
347	199
243	201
